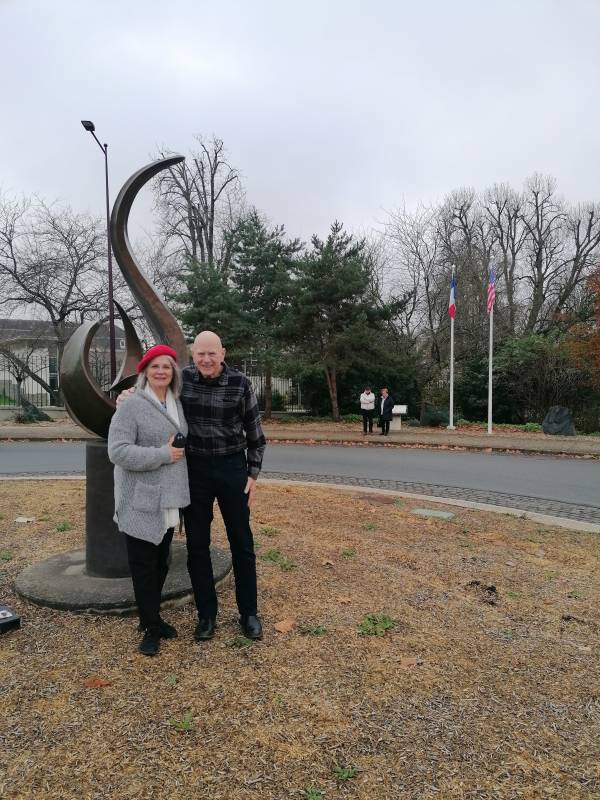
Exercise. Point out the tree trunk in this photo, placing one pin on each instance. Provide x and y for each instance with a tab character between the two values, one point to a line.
330	374
268	391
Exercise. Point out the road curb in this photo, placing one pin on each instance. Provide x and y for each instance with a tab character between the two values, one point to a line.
533	516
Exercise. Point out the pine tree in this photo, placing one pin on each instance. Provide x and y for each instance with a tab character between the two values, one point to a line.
332	320
210	303
261	272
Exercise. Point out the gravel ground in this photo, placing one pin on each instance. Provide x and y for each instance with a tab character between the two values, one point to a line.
483	682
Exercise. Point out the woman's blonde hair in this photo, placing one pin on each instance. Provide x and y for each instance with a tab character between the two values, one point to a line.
176	380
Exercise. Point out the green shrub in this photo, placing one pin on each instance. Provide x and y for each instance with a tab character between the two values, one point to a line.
277	401
434	417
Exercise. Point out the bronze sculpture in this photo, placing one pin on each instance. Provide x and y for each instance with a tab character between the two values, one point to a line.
85	401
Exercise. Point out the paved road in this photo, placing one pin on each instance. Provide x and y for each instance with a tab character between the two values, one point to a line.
561	486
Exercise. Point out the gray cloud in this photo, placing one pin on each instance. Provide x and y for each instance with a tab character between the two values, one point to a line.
331	109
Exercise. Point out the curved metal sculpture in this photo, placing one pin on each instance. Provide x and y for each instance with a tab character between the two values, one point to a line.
162	323
86	402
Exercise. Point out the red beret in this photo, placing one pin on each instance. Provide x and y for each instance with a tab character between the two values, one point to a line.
155	352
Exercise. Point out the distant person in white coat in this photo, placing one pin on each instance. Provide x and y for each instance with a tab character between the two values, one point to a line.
367	408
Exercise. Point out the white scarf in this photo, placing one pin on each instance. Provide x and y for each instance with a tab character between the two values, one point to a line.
171	515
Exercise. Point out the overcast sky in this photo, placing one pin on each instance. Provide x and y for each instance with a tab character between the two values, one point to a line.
330	108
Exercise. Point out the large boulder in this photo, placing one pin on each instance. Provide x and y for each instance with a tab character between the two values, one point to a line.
559	422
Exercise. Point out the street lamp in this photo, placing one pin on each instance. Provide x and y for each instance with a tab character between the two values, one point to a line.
90	127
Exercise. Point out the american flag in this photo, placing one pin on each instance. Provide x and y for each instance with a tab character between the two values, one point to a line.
491	295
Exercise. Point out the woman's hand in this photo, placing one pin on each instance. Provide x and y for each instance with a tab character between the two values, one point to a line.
177	453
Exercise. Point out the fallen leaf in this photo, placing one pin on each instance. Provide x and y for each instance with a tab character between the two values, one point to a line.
410	661
511	564
327	563
285	626
95	683
345	601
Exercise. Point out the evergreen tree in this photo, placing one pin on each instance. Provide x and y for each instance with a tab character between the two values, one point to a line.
261	272
333	320
209	302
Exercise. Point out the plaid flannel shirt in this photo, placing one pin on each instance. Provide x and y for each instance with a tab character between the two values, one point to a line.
222	416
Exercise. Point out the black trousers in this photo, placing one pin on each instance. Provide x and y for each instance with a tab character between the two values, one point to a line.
367	421
223	478
385	426
149	565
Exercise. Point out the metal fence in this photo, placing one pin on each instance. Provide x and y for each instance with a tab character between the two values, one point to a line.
21	378
28	376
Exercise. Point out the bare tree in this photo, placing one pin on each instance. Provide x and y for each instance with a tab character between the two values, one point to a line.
54	259
201	202
415	248
504	208
543	216
581	231
469	245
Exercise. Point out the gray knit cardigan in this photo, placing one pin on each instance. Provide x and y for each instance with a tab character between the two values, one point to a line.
146	482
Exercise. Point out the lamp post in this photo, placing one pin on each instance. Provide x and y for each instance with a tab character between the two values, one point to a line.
91	128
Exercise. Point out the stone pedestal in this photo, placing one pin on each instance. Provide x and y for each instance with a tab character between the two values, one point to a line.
62	582
105	549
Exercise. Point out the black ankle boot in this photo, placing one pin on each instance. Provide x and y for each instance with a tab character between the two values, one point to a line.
150	644
251	626
205	629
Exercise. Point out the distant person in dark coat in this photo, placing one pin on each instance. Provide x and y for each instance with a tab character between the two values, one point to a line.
367	409
384	406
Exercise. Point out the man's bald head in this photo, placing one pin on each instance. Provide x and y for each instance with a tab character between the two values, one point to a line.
206	338
208	354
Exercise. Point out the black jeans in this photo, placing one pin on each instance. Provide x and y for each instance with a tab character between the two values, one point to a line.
223	478
367	421
149	565
385	426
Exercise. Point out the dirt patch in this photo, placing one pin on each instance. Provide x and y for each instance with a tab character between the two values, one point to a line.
395	676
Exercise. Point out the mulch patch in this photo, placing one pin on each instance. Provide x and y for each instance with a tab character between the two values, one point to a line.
480	679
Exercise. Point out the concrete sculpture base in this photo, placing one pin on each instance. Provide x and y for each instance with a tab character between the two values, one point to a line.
62	582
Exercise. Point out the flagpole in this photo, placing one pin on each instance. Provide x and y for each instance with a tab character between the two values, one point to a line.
489	428
452	312
451	411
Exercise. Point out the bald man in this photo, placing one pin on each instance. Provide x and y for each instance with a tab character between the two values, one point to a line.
224	449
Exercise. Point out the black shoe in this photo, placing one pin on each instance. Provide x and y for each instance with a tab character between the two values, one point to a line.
150	644
205	629
251	627
166	631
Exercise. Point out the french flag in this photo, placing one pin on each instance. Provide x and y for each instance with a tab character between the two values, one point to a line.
452	303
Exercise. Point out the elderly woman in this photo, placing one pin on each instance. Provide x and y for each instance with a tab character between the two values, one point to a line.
151	483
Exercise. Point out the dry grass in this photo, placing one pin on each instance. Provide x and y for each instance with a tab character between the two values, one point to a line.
474	693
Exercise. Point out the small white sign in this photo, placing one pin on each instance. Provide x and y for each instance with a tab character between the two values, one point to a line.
399	409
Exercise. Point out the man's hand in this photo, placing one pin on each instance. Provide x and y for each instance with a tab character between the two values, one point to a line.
124	395
250	489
